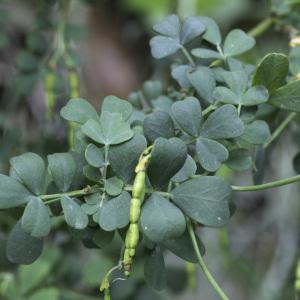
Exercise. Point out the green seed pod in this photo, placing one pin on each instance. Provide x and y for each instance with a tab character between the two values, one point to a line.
132	237
74	84
135	210
138	189
106	294
152	89
50	97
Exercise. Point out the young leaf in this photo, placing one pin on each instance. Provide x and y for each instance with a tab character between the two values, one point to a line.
31	169
158	124
113	186
188	169
115	212
116	105
62	167
183	247
36	220
161	220
287	97
237	42
110	130
12	192
203	80
124	157
74	214
212	33
256	132
272	71
223	123
21	247
94	156
255	95
79	110
188	115
155	270
152	89
168	157
210	154
192	27
205	199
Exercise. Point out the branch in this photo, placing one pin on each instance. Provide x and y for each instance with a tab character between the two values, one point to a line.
205	270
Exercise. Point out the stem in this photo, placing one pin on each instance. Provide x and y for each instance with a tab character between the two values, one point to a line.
208	109
261	27
188	56
205	270
268	185
280	128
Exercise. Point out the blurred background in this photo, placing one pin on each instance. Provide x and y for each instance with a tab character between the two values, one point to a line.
53	50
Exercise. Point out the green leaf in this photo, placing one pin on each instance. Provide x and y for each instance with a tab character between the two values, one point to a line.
206	53
225	95
205	199
237	42
167	158
179	73
113	186
272	71
203	80
115	212
155	270
12	192
21	247
79	110
152	89
210	154
158	124
74	214
294	60
36	220
36	41
183	247
237	81
212	33
49	293
114	104
192	27
162	46
26	61
62	168
92	173
287	97
188	115
161	220
256	132
123	158
31	169
103	238
94	156
110	130
223	123
255	95
239	160
188	169
170	26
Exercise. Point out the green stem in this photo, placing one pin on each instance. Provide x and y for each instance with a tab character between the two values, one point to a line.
188	56
208	109
269	185
262	27
201	262
280	128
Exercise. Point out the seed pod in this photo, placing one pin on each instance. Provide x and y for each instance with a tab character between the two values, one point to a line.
74	84
50	97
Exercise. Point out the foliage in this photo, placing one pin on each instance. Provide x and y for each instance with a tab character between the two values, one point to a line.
182	135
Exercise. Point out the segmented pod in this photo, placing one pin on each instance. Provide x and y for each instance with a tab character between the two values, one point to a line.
138	195
50	97
106	294
74	84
